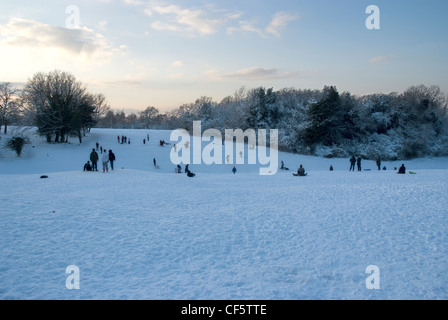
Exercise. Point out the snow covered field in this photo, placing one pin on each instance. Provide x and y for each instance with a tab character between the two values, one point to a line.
143	233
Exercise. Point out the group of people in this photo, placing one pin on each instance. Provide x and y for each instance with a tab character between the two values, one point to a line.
124	140
109	157
353	161
106	157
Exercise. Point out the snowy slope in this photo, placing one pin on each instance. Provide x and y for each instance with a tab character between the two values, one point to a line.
142	233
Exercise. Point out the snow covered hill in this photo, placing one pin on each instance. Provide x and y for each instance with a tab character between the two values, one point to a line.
145	233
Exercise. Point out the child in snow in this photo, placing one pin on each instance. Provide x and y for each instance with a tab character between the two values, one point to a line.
234	170
111	159
87	166
358	162
105	160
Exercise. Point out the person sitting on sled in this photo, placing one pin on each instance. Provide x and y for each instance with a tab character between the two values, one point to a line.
301	171
87	166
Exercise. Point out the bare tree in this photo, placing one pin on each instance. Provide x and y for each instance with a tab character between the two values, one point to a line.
148	116
62	105
9	103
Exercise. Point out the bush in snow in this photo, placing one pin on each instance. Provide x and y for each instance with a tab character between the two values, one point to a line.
16	143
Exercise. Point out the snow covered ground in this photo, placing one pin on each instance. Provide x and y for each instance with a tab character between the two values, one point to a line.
145	233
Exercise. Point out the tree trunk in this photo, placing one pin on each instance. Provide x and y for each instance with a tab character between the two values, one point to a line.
6	126
80	136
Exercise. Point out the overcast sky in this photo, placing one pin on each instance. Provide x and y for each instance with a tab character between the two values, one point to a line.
143	53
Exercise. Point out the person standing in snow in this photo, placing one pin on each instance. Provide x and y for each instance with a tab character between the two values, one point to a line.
94	158
105	160
402	169
111	159
358	161
234	170
352	163
154	161
378	163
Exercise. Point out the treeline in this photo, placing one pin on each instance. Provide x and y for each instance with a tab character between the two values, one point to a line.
319	122
324	122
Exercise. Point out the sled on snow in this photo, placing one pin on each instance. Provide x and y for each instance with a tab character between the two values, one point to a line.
299	175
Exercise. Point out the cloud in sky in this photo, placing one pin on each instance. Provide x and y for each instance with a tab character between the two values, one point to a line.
279	21
253	74
380	59
81	43
177	18
177	63
208	19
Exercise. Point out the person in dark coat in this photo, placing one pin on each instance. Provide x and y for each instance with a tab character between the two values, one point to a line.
301	171
402	169
378	163
352	163
94	159
111	159
87	166
234	170
188	172
358	162
331	168
154	161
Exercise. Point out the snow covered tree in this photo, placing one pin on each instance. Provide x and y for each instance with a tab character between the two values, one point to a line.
325	119
263	112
